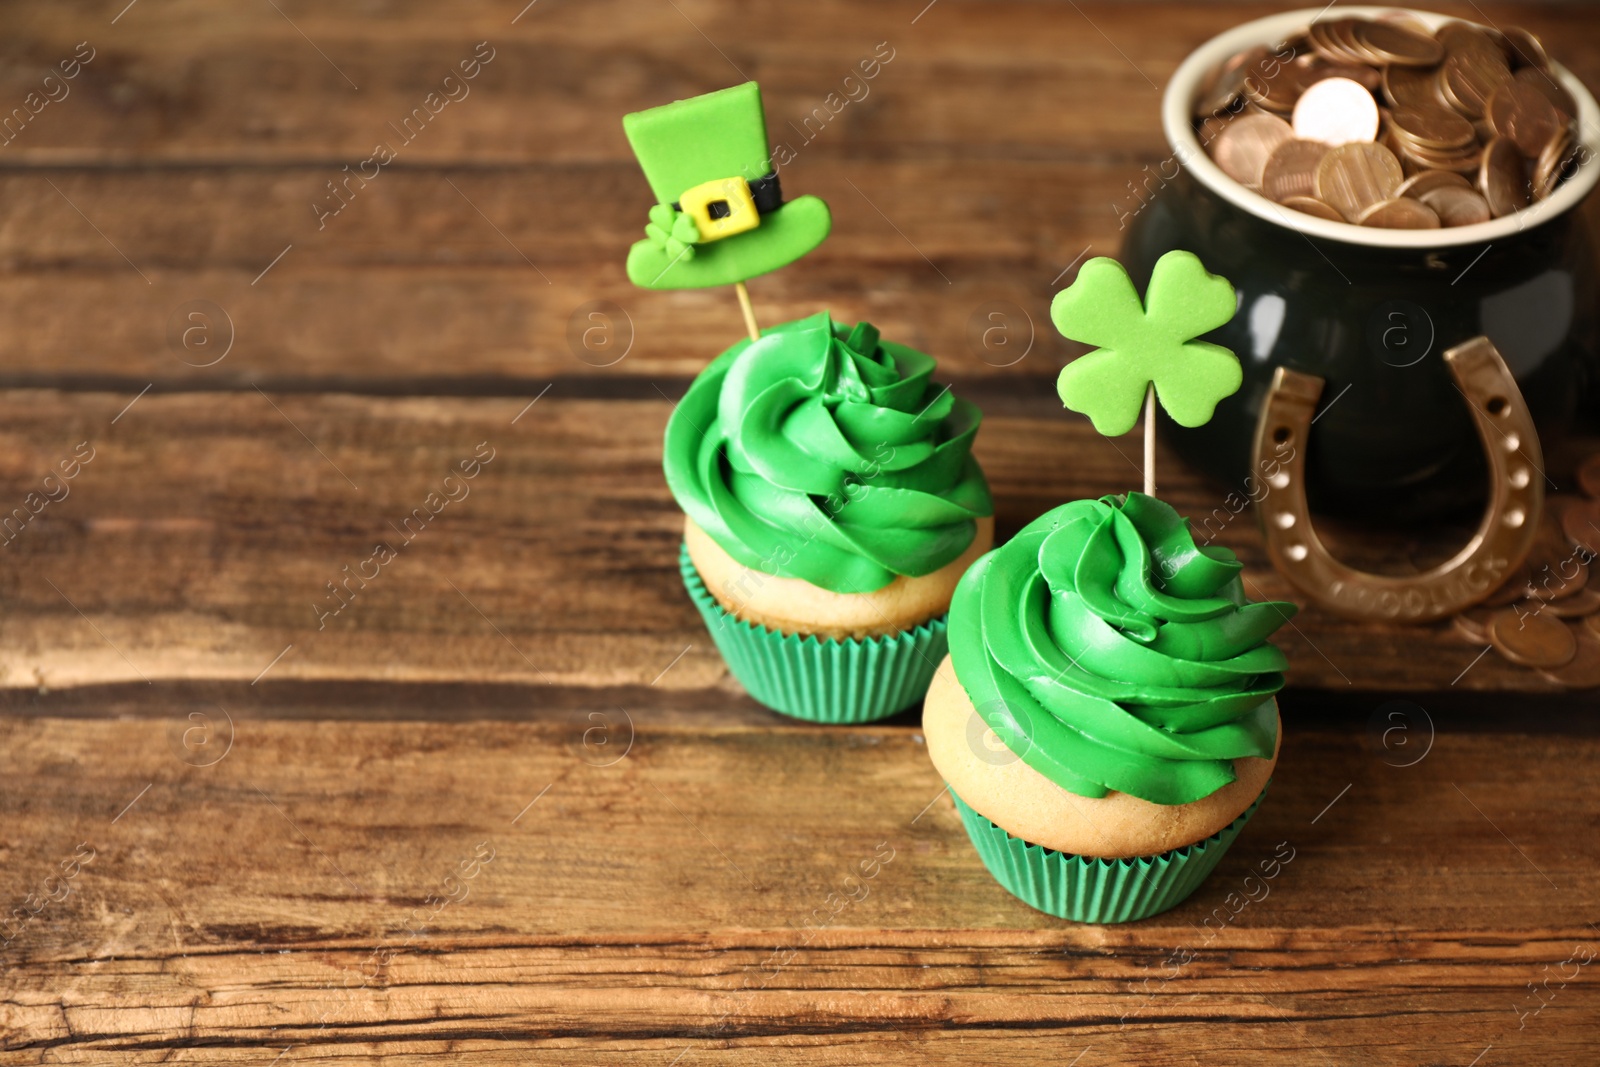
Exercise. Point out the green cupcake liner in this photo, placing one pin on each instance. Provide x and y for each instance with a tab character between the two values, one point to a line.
822	679
1088	889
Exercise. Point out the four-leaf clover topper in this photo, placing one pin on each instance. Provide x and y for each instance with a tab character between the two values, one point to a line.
1140	347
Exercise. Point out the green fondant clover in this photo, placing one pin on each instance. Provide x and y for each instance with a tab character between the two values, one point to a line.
1140	345
672	231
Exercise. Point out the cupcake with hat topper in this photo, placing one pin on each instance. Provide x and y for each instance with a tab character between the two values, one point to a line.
830	495
1106	719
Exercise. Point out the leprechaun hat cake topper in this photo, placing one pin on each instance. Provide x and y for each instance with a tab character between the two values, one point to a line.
720	216
1146	352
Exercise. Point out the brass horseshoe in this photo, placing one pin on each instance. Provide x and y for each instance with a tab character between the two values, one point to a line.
1503	538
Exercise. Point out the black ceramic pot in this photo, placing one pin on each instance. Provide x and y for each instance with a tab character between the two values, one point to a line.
1371	312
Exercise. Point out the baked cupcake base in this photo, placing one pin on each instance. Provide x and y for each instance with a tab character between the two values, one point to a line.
821	679
793	606
1108	859
996	782
1088	889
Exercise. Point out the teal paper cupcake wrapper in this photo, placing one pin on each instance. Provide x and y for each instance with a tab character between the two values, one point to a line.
822	679
1088	889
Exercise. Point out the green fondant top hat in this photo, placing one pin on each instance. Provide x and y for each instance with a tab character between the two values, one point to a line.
721	217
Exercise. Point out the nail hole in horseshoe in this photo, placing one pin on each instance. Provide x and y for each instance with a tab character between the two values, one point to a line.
1501	541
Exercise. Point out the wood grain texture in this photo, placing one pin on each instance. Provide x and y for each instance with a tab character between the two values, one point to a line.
265	800
201	539
680	896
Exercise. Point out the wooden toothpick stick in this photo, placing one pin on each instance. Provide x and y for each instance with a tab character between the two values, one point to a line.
749	312
1150	440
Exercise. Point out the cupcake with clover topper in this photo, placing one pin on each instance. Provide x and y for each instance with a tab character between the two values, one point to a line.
831	498
1106	719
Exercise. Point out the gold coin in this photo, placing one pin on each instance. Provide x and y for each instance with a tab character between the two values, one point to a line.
1585	603
1406	20
1553	163
1524	115
1401	213
1553	90
1227	83
1396	45
1581	524
1334	40
1242	149
1353	177
1428	180
1312	206
1532	640
1513	589
1566	577
1473	624
1465	38
1409	87
1526	50
1457	207
1347	37
1291	169
1502	179
1468	78
1336	111
1588	475
1583	671
1433	128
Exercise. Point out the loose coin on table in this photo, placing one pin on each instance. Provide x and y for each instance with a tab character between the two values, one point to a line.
1586	603
1589	475
1532	640
1581	523
1473	624
1513	589
1583	670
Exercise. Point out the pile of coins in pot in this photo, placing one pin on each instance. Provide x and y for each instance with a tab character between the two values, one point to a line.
1546	616
1384	122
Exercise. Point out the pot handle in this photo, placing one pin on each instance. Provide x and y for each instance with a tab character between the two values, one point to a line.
1501	543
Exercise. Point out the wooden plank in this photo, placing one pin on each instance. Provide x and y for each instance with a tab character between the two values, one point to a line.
413	282
178	83
280	896
200	541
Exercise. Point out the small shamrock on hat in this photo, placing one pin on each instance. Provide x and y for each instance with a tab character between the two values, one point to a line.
1140	346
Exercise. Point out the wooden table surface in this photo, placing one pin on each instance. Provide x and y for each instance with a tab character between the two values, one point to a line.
506	805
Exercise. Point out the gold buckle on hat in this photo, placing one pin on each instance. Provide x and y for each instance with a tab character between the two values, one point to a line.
720	208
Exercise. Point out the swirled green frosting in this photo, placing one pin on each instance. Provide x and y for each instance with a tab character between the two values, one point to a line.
1110	652
824	453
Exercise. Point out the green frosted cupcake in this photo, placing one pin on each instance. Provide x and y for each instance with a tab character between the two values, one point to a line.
1106	718
832	504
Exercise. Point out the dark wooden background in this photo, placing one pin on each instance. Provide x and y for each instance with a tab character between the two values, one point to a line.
268	824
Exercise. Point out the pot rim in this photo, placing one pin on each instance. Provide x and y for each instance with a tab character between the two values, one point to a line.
1177	106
